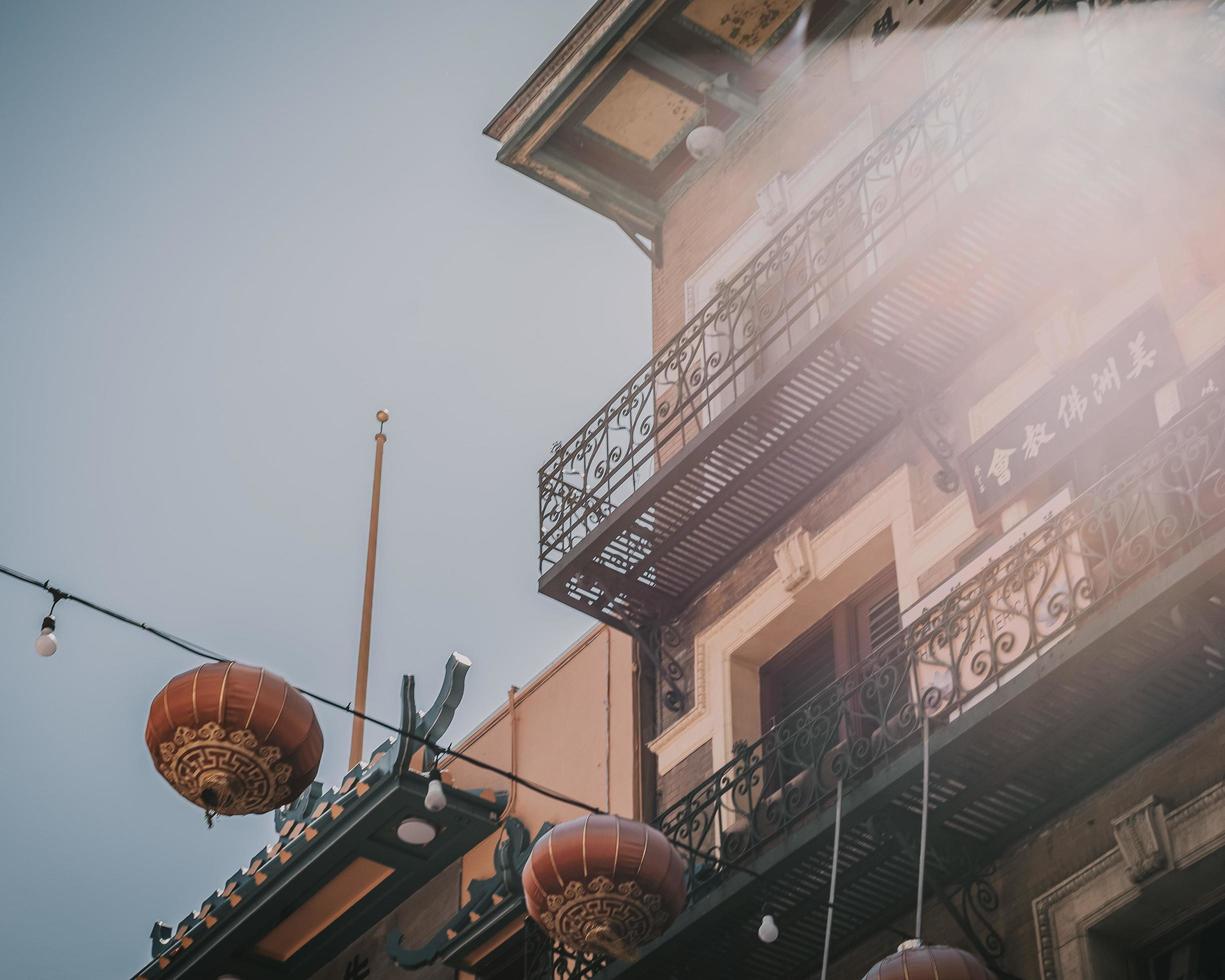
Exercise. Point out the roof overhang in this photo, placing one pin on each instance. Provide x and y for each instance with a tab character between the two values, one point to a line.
331	876
604	119
339	864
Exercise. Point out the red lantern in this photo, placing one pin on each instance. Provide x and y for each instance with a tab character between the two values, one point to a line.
234	739
914	961
603	884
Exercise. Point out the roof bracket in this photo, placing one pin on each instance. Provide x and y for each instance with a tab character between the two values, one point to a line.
961	882
649	244
654	641
912	393
429	728
484	895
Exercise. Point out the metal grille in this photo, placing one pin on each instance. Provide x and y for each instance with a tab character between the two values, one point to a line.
543	959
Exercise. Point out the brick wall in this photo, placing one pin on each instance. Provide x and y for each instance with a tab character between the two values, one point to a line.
684	776
792	129
1174	774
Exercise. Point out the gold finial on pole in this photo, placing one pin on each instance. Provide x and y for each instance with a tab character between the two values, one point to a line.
356	752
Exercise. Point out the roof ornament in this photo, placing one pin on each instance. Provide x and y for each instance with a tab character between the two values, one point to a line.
430	727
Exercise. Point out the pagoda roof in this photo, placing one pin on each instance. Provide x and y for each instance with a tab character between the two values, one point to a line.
337	866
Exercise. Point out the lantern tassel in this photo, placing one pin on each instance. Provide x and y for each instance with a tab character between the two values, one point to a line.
609	942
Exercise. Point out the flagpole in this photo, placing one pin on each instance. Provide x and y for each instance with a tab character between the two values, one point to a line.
356	753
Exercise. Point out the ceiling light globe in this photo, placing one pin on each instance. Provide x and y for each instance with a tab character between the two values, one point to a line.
705	142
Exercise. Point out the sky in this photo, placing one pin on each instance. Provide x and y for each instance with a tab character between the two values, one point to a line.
229	232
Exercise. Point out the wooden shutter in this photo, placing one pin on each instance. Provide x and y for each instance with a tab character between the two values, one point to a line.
879	615
795	675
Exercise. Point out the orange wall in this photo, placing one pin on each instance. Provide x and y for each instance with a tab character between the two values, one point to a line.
574	730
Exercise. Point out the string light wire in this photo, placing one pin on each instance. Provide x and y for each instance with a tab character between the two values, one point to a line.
204	652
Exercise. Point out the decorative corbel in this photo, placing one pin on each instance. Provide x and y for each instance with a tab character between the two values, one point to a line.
653	642
1144	841
794	560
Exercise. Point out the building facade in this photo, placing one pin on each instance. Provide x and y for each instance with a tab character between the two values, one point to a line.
932	439
930	431
363	881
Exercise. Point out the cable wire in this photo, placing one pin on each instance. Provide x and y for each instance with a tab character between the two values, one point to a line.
58	595
833	883
207	654
918	915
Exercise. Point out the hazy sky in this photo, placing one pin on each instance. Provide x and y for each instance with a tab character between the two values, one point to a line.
228	233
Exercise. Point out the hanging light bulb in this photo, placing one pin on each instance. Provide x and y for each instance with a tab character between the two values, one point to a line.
435	796
767	932
705	142
45	644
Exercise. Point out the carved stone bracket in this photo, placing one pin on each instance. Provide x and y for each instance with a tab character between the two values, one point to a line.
914	397
794	560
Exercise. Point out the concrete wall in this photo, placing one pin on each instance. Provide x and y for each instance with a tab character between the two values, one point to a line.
574	731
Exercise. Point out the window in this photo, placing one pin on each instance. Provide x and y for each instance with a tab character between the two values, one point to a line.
865	628
1201	957
807	667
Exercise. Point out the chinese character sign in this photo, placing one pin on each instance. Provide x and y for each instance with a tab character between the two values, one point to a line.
1132	362
878	33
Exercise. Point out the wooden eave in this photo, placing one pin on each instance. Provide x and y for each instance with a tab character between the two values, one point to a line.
354	821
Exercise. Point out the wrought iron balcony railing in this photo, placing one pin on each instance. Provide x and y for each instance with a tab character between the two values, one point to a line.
860	311
1150	510
797	280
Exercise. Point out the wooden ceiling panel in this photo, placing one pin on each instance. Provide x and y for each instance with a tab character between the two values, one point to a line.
748	28
642	117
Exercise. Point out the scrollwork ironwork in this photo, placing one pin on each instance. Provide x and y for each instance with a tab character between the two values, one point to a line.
544	959
770	306
1011	613
659	644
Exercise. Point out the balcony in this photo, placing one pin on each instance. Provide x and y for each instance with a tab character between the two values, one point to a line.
1094	640
858	313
